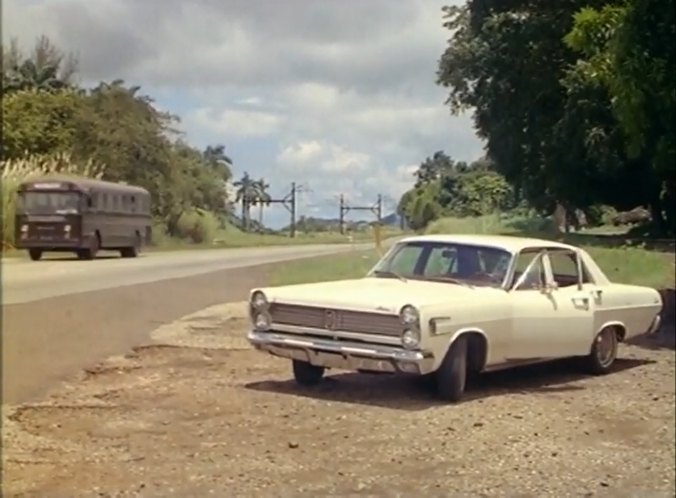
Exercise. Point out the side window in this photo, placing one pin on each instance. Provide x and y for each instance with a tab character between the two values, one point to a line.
132	204
564	268
529	270
105	206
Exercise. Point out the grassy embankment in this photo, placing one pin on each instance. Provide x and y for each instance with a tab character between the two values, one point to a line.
621	262
234	237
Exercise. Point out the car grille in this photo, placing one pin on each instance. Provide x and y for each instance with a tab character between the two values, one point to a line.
335	319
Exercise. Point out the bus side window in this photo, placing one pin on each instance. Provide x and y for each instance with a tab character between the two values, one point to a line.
132	204
104	202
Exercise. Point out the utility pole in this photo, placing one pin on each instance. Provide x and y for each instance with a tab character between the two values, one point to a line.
289	203
376	209
292	233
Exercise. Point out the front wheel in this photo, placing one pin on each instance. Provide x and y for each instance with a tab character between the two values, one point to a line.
35	254
91	251
307	374
603	352
132	252
452	374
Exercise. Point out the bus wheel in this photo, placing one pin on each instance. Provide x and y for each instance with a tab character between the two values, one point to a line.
35	254
90	252
132	252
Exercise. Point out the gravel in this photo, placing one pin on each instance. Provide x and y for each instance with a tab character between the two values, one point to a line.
198	413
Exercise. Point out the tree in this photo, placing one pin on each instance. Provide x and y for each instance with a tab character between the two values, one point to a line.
112	124
627	49
216	157
454	189
46	69
36	122
505	60
432	168
263	199
248	191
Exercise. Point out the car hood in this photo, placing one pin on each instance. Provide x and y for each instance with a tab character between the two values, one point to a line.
382	295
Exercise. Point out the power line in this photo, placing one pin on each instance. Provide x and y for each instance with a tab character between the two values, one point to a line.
289	201
376	209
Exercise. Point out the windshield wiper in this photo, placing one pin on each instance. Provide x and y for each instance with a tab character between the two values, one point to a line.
389	273
452	280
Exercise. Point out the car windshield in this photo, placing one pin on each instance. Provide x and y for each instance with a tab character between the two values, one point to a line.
48	203
445	262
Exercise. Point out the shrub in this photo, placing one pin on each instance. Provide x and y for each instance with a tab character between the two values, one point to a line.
15	171
600	214
198	226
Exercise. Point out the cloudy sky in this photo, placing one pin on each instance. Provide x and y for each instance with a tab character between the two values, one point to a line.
341	99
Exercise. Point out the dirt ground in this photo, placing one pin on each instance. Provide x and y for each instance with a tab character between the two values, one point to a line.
198	413
47	340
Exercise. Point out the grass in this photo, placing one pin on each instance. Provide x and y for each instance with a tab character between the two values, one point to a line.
354	264
236	238
632	265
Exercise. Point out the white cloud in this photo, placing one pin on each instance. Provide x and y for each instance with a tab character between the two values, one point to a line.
321	158
340	97
250	101
300	154
230	122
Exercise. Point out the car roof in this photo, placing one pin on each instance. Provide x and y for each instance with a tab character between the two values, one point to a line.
509	243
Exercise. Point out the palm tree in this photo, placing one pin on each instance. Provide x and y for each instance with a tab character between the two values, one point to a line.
47	69
247	193
215	155
263	199
216	158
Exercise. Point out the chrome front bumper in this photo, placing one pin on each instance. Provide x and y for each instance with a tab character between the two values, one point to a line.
343	355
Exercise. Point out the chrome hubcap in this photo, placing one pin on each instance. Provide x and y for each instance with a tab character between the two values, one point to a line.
605	347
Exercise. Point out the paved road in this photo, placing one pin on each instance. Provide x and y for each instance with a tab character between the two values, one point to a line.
60	316
25	281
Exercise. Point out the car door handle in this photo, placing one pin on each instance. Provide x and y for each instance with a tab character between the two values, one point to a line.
581	301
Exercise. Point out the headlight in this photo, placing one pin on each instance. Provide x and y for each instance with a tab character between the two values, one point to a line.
409	315
258	300
66	228
24	228
261	321
410	339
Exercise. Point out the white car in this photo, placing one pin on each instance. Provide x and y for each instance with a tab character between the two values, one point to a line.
450	305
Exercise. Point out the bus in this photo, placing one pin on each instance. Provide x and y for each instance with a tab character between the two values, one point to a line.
80	215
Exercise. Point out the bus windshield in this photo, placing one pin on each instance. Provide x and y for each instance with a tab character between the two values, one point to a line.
48	203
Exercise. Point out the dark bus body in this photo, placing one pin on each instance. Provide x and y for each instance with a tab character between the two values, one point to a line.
82	216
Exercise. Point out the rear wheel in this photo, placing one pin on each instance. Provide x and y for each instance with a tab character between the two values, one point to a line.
307	374
35	254
603	352
452	374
